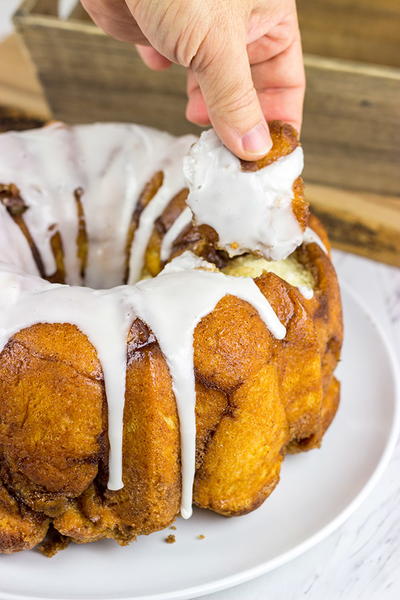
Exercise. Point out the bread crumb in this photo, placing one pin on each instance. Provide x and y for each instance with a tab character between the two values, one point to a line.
170	539
173	527
201	537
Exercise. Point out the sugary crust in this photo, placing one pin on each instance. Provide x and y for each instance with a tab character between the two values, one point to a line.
284	141
257	398
20	528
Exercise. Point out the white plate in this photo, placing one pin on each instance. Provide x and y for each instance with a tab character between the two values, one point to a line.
317	492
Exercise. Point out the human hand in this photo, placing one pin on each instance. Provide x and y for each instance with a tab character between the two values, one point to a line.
243	57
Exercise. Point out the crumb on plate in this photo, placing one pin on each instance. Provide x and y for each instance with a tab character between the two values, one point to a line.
170	539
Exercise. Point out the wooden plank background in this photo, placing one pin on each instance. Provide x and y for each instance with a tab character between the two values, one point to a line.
19	86
352	111
360	222
361	30
351	129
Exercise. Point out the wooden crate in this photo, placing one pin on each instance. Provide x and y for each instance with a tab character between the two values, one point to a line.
351	132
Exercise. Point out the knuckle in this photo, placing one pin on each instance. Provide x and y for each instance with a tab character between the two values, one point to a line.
192	47
207	53
233	98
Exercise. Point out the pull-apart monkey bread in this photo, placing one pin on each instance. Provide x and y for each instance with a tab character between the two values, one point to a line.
153	353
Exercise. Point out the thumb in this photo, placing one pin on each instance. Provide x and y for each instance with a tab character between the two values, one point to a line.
153	59
231	99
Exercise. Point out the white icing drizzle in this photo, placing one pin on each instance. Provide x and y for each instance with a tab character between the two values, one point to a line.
173	183
310	237
186	294
184	219
111	162
14	249
117	161
183	291
250	211
41	164
104	316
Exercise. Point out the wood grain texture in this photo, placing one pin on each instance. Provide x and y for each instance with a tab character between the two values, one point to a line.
368	224
362	30
352	110
351	134
88	76
19	86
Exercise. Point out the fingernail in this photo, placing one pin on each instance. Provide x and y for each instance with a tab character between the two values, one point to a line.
257	141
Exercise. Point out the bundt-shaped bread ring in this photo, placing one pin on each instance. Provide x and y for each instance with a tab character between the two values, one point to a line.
91	206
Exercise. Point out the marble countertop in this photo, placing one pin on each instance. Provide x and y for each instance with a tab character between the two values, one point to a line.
361	561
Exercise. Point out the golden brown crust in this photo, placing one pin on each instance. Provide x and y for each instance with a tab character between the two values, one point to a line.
17	120
241	464
149	191
329	406
251	418
11	199
325	310
284	141
257	398
52	413
20	527
202	241
299	360
300	205
326	306
151	494
82	237
53	543
153	262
